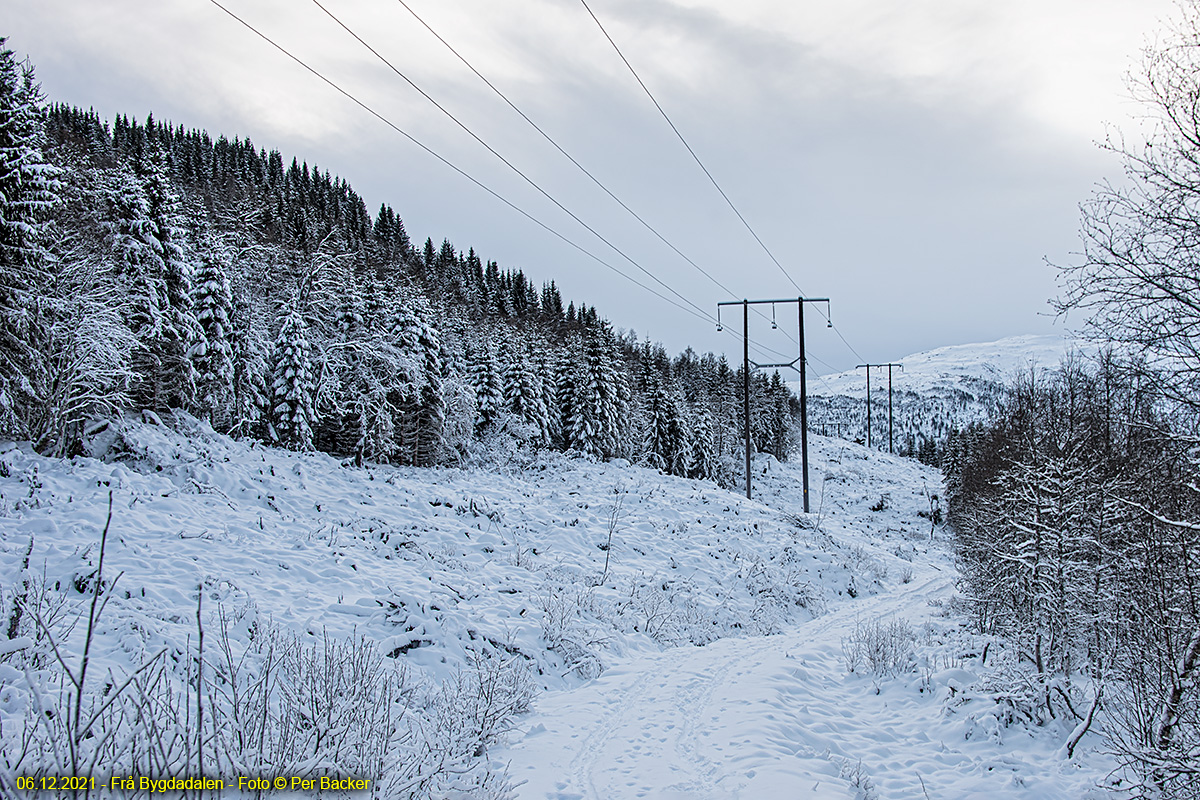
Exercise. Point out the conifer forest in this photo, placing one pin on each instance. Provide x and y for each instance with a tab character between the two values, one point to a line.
148	267
419	501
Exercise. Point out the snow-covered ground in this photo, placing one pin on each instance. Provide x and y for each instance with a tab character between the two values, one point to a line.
945	368
679	640
783	716
933	392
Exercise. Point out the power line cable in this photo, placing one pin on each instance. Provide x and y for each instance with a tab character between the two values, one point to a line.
345	93
696	313
848	345
506	162
665	116
825	364
705	169
571	158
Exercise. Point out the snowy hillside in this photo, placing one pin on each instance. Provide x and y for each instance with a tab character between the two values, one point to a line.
932	391
628	633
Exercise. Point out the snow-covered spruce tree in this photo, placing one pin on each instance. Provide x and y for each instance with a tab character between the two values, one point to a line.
292	387
702	462
150	268
487	380
660	413
213	353
431	403
543	363
561	395
418	392
778	417
523	395
351	404
29	190
251	397
679	432
181	334
597	422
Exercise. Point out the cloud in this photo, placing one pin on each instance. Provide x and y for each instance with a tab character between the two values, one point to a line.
915	161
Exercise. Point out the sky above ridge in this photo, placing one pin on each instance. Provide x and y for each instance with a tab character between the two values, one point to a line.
920	163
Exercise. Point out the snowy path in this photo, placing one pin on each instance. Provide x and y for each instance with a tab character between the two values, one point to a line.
773	717
753	717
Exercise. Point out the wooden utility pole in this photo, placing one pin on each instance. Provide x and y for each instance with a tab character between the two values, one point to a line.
889	369
747	363
746	384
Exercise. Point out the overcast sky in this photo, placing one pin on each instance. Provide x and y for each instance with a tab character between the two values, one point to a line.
918	162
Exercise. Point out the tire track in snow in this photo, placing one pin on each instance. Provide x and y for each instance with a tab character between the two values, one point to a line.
688	722
640	739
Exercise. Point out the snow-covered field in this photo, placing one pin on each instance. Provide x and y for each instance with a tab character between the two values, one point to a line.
933	392
670	639
945	368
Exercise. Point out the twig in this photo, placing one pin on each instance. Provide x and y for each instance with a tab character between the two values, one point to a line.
1082	727
200	689
87	642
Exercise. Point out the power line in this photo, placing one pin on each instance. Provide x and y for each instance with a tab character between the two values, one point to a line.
506	162
560	149
530	181
848	345
694	311
665	116
452	166
572	159
706	171
825	364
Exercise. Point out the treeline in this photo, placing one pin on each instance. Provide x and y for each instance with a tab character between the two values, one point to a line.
1072	516
148	267
1077	511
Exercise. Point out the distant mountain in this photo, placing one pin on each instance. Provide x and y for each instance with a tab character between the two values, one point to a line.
932	393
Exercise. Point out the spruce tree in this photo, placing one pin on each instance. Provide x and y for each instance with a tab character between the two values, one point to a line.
658	447
418	394
29	190
292	388
599	401
181	333
137	263
251	395
213	354
679	436
431	404
702	462
524	397
488	382
561	396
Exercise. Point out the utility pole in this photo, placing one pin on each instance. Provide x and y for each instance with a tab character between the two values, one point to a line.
747	363
889	369
868	366
746	384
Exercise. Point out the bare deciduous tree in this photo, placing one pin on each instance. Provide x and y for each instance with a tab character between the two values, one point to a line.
1138	283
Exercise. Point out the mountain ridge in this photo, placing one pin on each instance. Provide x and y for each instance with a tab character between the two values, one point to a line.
933	393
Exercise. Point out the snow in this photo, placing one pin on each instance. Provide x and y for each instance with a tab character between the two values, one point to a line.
704	654
781	716
933	371
933	392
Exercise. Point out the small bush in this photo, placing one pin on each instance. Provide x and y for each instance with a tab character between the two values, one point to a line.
880	647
